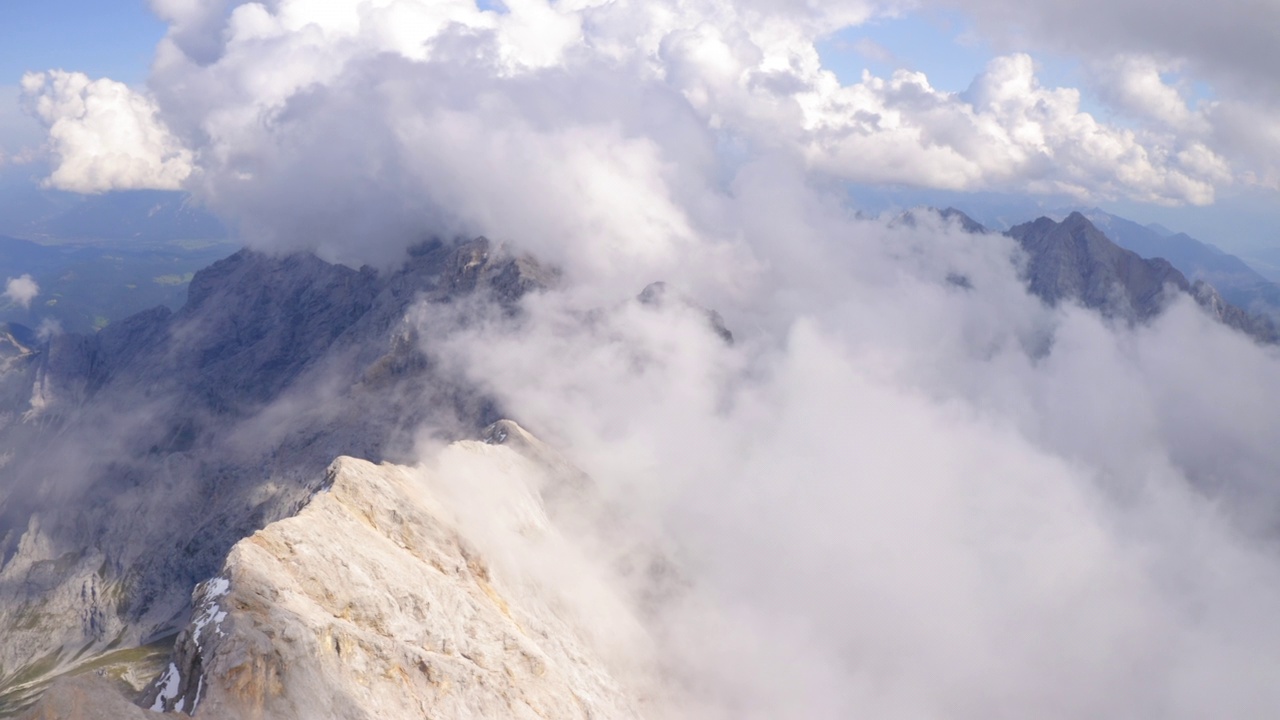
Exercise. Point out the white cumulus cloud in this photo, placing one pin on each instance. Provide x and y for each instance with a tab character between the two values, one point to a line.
104	135
376	117
1229	46
22	290
748	69
1135	84
1007	132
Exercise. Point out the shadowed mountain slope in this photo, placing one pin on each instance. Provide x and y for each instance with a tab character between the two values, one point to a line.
136	457
1073	260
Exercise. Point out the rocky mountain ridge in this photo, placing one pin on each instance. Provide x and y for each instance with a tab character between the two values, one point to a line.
187	449
1232	277
376	601
136	457
1074	260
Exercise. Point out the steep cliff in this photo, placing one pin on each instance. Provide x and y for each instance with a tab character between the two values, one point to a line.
409	592
136	457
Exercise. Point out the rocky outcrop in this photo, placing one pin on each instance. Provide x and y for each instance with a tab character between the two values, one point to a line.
1074	261
1260	327
136	457
86	697
380	600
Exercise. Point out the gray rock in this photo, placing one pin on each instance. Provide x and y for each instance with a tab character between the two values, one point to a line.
136	457
1074	261
378	601
85	697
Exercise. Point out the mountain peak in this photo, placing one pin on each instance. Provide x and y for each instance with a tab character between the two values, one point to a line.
967	223
1073	260
381	585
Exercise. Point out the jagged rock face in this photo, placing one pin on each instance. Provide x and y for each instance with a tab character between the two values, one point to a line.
378	601
165	438
1260	327
1073	260
17	355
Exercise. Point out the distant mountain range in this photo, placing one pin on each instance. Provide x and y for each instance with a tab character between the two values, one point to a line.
84	287
102	258
140	216
1073	260
1238	283
1248	282
1266	261
1250	285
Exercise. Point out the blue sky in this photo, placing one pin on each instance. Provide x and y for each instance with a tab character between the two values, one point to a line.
114	39
941	45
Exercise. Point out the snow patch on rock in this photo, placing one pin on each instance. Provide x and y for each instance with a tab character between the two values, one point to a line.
169	684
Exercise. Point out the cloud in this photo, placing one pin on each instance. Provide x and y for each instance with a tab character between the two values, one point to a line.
1250	136
1231	43
21	290
49	328
1228	46
1005	132
897	497
894	495
104	135
1135	84
383	94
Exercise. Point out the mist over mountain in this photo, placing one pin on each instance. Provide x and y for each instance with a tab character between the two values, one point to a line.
1237	279
136	456
1267	262
560	377
139	459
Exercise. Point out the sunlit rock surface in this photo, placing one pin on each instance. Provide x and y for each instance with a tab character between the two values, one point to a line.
133	459
407	593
